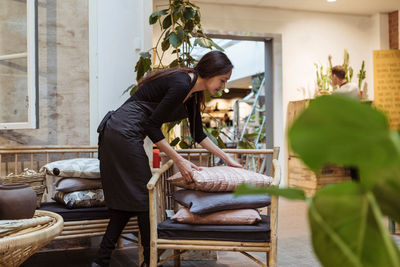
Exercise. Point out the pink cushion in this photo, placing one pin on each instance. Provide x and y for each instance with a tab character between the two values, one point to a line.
221	178
242	216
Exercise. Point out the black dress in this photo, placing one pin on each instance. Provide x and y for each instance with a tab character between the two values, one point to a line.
124	165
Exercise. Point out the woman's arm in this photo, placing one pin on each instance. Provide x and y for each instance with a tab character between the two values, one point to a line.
210	146
184	166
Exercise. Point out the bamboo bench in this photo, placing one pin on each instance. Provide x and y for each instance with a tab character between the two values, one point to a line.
16	159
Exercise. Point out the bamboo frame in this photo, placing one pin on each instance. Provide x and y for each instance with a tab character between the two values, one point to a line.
157	187
14	159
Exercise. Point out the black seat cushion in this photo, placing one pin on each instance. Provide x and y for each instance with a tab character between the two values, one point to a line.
79	214
259	232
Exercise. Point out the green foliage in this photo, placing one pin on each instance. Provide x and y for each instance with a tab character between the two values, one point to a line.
179	22
361	74
324	75
346	219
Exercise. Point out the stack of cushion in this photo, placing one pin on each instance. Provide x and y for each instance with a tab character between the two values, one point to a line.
209	199
75	182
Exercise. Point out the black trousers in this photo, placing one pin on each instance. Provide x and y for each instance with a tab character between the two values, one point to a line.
117	223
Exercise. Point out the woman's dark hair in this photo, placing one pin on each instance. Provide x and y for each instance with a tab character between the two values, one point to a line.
212	64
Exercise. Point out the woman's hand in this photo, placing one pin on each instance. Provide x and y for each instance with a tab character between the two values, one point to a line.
231	162
185	167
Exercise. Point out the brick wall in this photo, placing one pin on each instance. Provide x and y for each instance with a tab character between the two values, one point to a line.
394	30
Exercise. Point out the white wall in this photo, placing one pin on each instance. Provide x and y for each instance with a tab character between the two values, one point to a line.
118	31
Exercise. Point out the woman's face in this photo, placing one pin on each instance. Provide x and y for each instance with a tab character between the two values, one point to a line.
216	83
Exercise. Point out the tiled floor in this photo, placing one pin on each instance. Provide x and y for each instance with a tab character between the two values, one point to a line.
294	247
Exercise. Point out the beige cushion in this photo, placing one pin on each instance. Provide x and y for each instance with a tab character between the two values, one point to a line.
241	216
78	167
221	178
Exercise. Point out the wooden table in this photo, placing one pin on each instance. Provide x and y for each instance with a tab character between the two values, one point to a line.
19	246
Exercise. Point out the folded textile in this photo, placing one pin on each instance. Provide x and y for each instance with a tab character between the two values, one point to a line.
78	167
70	184
205	202
220	179
239	216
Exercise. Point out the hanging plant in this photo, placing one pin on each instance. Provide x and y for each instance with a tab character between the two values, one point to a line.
180	25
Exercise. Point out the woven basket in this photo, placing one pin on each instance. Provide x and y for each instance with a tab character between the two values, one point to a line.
32	178
18	247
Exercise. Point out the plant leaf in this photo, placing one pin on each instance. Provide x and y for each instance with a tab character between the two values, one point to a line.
290	193
221	143
175	141
142	66
183	144
167	22
189	13
165	45
156	15
334	127
174	40
347	228
145	54
387	192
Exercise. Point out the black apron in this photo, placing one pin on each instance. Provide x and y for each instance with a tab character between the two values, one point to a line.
124	165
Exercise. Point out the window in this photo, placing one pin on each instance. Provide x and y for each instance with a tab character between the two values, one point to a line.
18	64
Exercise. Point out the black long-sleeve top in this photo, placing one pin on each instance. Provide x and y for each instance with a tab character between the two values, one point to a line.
170	92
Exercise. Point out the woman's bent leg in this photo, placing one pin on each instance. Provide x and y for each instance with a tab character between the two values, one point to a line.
117	223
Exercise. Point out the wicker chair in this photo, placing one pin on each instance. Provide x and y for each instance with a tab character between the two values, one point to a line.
160	192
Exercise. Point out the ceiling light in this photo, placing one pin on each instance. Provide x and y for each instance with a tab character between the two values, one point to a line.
250	86
226	90
331	0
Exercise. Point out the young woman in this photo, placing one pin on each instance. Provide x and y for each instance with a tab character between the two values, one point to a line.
162	96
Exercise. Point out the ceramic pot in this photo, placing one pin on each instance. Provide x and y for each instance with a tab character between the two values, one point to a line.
17	201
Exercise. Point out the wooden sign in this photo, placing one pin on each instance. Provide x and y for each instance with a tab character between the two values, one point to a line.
387	84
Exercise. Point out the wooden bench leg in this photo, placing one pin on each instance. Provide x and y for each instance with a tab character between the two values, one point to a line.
177	258
140	250
120	242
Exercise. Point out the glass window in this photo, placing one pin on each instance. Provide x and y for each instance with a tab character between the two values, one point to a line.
18	71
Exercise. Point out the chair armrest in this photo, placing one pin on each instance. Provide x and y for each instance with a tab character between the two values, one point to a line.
155	178
276	172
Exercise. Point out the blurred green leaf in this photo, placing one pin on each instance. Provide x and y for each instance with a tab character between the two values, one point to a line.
189	13
387	192
250	135
221	143
290	193
184	145
175	141
174	40
174	63
156	15
338	130
347	228
165	45
167	22
145	54
142	66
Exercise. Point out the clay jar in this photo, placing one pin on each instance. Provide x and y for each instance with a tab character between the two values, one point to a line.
17	201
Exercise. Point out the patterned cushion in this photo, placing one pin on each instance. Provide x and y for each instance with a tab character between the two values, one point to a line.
79	167
81	199
221	178
242	216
